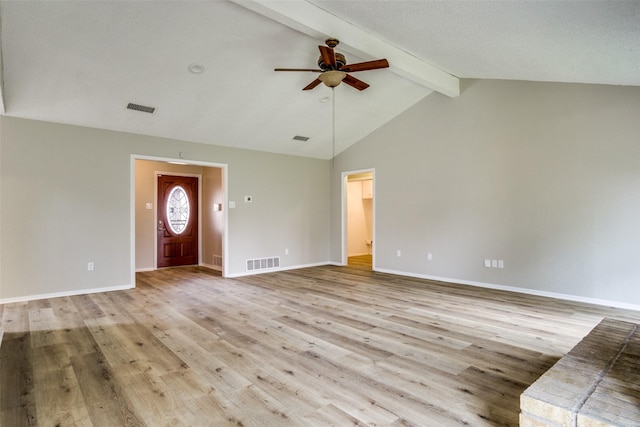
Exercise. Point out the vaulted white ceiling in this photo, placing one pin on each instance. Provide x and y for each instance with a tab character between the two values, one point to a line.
81	62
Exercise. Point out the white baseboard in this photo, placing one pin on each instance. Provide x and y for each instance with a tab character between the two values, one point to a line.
211	267
65	294
142	270
566	297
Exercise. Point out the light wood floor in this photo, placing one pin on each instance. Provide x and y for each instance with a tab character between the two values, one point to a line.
362	262
323	346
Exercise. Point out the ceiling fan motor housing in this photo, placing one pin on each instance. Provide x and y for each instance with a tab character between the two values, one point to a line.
341	61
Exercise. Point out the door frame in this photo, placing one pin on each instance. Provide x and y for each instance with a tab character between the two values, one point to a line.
132	205
344	216
155	204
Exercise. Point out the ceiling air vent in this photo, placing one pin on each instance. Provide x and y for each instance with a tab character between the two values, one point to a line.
143	108
300	138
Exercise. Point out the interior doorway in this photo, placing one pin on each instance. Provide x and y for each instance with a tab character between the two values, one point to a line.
209	208
358	219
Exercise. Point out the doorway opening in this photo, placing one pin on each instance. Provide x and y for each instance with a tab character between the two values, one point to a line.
206	208
358	212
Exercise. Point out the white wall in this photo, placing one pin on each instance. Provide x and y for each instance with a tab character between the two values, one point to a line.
543	176
68	190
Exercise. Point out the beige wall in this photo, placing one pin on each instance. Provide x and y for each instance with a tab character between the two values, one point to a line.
69	190
543	176
212	220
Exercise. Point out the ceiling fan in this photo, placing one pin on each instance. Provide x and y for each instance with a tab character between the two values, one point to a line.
334	68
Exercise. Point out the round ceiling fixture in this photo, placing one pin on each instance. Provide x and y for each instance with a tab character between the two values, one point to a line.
196	68
332	78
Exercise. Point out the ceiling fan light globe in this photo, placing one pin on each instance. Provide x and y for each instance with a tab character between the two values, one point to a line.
332	78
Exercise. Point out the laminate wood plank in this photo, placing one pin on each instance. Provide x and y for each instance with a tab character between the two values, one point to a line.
201	399
347	342
331	416
15	318
17	396
86	307
317	346
387	395
57	392
157	403
104	395
132	347
497	332
311	388
44	328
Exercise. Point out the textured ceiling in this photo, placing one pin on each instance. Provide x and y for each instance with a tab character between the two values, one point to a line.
82	62
556	41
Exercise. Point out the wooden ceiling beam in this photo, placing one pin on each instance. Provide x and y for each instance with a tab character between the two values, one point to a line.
318	23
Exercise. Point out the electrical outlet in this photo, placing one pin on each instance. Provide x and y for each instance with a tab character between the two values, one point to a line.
286	251
487	263
500	263
398	253
429	256
90	266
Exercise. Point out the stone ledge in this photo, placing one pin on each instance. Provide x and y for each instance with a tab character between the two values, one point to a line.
596	384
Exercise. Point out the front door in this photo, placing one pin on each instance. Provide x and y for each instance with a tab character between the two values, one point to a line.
177	220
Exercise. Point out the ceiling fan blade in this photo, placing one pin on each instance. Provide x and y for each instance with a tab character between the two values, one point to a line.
297	69
364	66
328	56
313	84
353	82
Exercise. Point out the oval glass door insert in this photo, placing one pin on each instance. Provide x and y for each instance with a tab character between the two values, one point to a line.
178	210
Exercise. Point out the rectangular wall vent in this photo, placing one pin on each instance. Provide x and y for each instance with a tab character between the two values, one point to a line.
143	108
263	263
